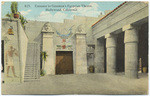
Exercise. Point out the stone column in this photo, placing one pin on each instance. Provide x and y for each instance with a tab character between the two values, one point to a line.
48	46
99	55
111	53
81	55
131	51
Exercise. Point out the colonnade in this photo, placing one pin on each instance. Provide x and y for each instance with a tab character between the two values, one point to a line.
131	52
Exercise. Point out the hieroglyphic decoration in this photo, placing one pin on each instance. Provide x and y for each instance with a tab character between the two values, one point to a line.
59	47
69	47
65	36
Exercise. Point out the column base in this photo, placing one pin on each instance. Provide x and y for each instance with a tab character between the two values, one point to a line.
81	70
111	70
99	70
131	74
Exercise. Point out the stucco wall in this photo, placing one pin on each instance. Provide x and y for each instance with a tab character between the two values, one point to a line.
11	40
23	42
19	41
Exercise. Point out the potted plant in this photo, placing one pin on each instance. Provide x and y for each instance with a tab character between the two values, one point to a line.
14	9
16	14
10	15
91	69
144	69
42	72
44	57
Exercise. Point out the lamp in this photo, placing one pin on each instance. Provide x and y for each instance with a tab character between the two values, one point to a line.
10	31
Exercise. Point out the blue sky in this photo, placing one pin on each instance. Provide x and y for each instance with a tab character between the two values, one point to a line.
32	12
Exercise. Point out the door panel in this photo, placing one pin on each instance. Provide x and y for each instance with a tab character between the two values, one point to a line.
64	62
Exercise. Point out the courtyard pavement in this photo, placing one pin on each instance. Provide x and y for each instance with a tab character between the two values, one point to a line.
100	84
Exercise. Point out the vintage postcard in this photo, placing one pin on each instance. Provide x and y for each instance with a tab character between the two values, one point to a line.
74	47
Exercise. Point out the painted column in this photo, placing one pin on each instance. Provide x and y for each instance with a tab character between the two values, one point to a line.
81	55
99	55
111	53
131	51
48	46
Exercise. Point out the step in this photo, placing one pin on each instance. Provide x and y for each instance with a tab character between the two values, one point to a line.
31	66
29	77
29	74
32	80
29	69
35	66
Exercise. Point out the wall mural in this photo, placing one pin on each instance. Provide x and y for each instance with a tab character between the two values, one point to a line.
9	60
64	37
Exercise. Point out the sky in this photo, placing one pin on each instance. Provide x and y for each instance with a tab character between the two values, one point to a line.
58	11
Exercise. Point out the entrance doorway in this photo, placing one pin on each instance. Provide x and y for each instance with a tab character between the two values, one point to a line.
2	54
64	62
143	46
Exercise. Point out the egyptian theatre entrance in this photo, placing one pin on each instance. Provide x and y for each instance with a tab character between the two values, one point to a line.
61	50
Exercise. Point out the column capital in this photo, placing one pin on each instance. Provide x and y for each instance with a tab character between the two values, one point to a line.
110	40
107	35
130	27
127	27
110	35
131	34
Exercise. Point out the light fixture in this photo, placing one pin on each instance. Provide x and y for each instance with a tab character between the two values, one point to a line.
10	31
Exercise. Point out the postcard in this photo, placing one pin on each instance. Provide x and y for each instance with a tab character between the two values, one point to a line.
74	47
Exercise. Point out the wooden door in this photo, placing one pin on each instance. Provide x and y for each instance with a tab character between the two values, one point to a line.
64	62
